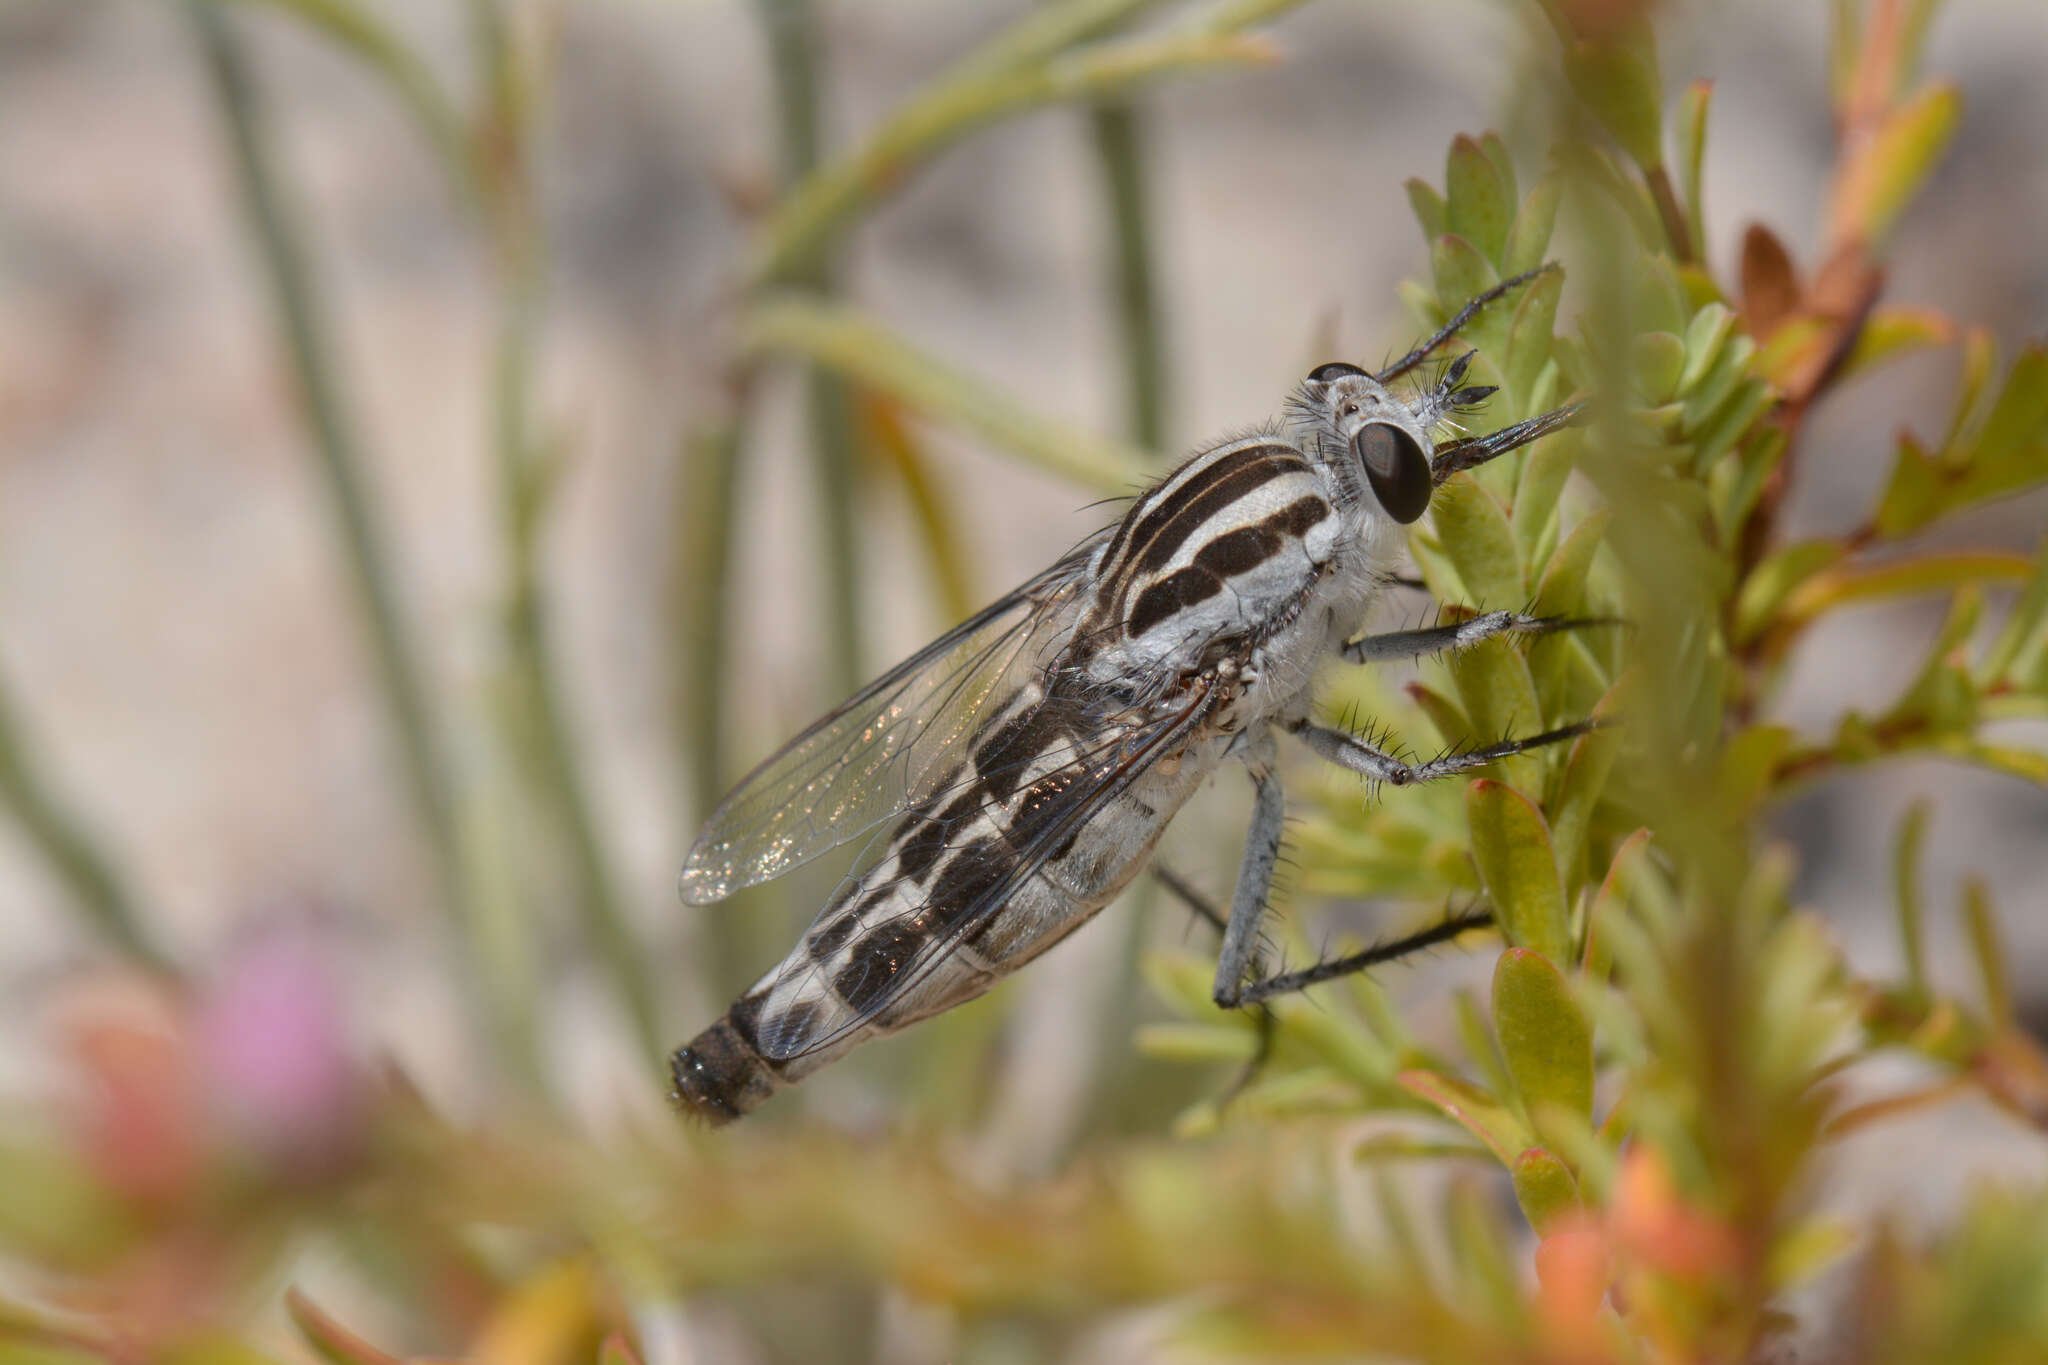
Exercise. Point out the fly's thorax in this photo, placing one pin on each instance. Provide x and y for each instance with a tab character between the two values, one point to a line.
1218	550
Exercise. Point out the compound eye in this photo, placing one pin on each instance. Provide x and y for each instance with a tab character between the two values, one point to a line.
1396	468
1336	369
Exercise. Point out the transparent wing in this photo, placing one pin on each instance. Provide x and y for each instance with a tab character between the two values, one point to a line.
881	750
893	956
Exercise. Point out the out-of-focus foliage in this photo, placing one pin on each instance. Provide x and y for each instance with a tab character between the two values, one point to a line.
1655	1070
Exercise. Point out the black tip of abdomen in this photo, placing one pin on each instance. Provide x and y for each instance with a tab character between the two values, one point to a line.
718	1077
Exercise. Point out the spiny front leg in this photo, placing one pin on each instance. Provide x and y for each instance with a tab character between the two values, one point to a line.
1348	751
1284	983
1414	644
1254	884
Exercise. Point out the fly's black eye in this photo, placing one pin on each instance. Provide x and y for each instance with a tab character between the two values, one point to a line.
1396	468
1336	369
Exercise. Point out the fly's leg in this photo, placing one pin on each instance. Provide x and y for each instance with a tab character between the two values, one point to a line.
1254	882
1262	1053
1184	891
1206	911
1284	983
1348	751
1414	644
1254	993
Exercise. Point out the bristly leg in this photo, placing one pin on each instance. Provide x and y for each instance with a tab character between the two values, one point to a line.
1184	891
1205	910
1393	950
1234	961
1348	751
1458	320
1414	644
1262	1053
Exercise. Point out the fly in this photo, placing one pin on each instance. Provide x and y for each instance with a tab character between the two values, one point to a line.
1019	770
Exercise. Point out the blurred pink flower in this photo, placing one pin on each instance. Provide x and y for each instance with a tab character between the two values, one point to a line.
273	1050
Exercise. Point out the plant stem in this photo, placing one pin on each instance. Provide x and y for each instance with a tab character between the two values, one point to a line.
525	493
528	642
886	434
819	208
1234	16
707	489
876	358
358	30
1935	570
1117	145
266	203
85	870
602	910
1047	31
790	27
1669	213
831	422
787	24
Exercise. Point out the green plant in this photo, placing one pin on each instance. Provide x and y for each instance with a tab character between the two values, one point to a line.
1650	934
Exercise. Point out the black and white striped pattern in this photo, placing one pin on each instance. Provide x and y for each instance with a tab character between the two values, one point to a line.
1020	845
1205	554
1028	762
1244	516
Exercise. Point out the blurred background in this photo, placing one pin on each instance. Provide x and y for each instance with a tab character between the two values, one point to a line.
182	640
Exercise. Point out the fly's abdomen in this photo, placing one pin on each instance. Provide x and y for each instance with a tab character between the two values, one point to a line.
918	935
719	1075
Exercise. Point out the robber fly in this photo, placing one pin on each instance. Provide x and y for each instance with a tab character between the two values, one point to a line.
1024	764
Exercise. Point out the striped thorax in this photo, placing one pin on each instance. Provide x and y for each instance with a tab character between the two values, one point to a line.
1018	772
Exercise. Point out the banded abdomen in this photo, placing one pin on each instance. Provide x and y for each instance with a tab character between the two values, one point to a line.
943	861
1224	552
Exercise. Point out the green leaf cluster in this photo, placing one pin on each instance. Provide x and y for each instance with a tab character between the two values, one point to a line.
1666	1030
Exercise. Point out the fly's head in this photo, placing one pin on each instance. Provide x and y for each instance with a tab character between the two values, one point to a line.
1374	444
